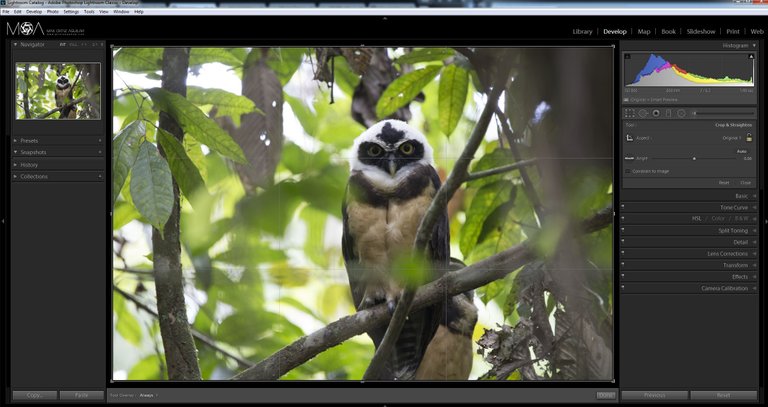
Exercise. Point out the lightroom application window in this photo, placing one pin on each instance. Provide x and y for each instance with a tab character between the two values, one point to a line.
347	204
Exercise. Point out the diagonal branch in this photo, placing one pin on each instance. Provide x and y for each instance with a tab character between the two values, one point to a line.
530	192
500	170
452	283
62	107
426	228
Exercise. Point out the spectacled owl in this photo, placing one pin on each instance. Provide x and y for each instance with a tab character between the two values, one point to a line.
63	95
392	183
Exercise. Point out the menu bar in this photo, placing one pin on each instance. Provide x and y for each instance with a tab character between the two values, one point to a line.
511	11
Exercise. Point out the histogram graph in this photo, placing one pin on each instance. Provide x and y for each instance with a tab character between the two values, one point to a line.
689	69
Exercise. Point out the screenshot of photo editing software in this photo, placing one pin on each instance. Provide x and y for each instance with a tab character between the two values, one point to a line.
434	202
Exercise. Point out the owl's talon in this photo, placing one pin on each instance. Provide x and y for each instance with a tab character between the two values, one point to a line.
391	307
367	303
387	292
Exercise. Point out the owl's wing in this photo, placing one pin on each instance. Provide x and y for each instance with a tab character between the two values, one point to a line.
440	243
354	270
422	325
351	259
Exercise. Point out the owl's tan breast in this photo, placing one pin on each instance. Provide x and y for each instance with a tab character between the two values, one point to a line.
368	225
403	219
386	231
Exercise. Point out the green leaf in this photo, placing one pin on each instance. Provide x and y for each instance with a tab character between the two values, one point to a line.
152	186
285	62
307	118
412	271
244	254
499	219
22	85
199	56
509	306
241	328
272	210
195	153
490	291
347	361
196	123
344	76
496	158
339	131
425	55
551	303
454	84
547	241
123	213
183	169
199	234
499	233
125	147
326	189
486	200
293	302
403	89
239	53
208	360
125	323
127	108
299	161
147	369
314	246
227	103
332	296
138	60
285	275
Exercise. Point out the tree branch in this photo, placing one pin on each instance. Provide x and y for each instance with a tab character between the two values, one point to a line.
27	114
599	221
500	170
244	363
530	192
455	282
458	174
426	228
180	351
134	271
62	107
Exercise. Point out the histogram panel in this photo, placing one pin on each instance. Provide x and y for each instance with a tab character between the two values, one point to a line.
689	69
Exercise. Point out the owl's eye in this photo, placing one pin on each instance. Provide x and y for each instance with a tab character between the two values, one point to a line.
406	148
374	150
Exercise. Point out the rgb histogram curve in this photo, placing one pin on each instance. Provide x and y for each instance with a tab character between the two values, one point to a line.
659	71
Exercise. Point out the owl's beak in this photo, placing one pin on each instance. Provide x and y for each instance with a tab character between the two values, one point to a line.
392	167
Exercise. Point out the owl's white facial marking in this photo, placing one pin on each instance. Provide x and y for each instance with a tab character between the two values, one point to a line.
388	152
